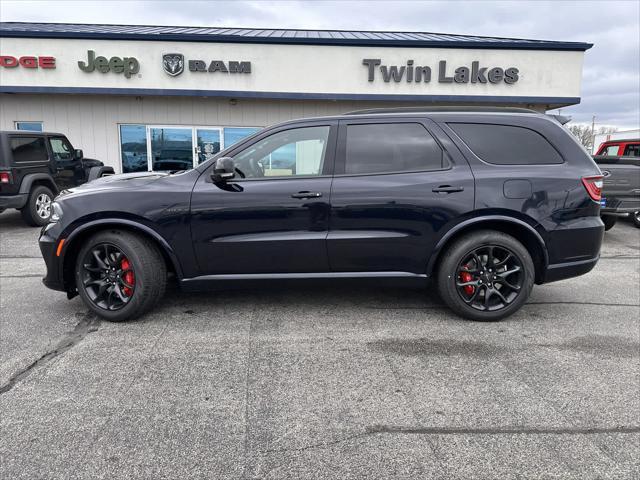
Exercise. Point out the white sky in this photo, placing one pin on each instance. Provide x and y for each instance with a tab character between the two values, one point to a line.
611	80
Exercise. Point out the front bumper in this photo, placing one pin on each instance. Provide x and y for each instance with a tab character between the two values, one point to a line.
13	201
54	277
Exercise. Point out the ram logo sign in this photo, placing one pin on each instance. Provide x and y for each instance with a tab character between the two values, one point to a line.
173	63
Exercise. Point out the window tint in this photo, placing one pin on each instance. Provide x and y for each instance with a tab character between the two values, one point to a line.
299	151
506	145
632	150
28	149
391	147
61	149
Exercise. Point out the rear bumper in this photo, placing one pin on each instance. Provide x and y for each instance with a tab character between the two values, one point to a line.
562	271
13	201
621	205
53	279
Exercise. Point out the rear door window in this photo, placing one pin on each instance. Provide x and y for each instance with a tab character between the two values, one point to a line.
632	150
506	144
391	147
28	149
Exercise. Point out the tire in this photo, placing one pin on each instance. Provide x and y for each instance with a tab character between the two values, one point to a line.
609	222
635	218
451	270
146	264
38	210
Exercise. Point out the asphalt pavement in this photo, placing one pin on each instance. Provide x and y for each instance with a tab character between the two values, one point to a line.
321	381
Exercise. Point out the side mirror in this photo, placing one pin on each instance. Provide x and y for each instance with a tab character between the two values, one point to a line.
78	154
223	170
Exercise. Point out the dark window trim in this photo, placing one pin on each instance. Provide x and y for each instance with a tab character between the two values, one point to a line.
341	147
564	160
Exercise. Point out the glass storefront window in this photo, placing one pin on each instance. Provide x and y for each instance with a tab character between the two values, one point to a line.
235	134
133	148
31	126
208	143
171	148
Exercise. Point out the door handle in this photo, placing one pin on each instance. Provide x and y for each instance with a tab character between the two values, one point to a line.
306	195
447	189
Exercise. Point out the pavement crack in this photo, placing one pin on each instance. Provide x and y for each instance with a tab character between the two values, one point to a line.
391	429
87	324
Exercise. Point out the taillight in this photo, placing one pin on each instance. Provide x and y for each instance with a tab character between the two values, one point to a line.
5	177
593	186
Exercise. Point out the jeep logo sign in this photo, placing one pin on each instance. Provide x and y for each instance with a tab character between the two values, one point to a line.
127	65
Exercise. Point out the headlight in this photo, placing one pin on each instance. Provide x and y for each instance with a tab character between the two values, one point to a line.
56	214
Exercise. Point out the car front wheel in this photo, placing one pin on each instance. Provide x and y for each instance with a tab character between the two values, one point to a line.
486	276
120	275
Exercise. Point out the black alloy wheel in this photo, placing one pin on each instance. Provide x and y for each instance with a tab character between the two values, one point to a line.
485	275
120	275
108	277
489	278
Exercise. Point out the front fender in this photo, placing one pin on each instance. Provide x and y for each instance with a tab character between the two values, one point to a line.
129	224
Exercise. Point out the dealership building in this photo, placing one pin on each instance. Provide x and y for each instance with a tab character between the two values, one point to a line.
155	97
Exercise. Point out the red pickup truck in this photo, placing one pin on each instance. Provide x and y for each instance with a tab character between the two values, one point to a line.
619	161
620	148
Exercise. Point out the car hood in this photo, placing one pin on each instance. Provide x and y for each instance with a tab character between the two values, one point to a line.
113	182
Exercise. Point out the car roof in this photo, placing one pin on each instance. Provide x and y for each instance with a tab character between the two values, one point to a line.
622	140
30	132
428	111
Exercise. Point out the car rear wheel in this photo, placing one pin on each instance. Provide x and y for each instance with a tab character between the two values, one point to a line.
38	210
609	221
486	276
120	275
635	218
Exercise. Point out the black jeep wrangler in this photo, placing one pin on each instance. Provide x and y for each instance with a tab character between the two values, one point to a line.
35	167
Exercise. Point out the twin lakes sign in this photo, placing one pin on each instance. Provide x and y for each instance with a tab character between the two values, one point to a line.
418	73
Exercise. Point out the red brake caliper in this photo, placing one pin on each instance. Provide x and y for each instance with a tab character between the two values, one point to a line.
467	277
128	277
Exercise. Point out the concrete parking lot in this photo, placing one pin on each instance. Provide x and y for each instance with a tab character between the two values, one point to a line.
321	381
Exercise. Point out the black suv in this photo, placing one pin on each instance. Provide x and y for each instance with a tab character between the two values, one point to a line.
486	202
35	166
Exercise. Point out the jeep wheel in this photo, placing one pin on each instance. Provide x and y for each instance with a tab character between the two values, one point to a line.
609	221
38	208
120	275
486	276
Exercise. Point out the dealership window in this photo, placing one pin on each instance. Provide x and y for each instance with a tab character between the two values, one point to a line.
506	144
31	126
133	147
28	149
174	147
399	147
298	151
235	134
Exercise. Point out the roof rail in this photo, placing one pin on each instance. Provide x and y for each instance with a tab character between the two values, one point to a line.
441	109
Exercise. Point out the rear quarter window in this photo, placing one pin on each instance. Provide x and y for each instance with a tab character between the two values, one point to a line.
28	149
506	144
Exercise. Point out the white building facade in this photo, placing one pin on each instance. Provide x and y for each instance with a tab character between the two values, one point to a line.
153	98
